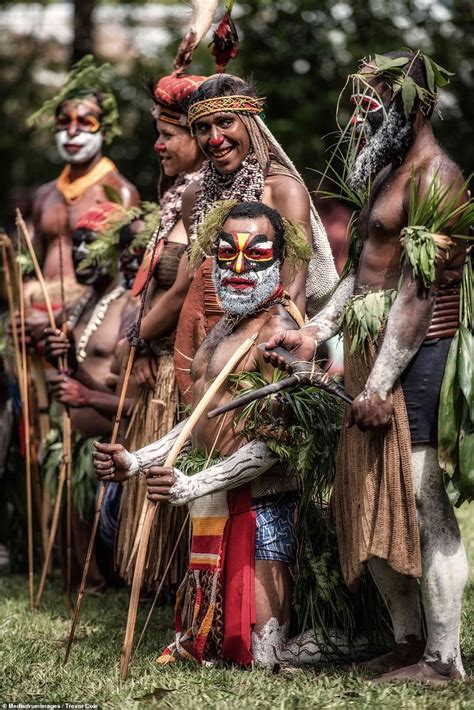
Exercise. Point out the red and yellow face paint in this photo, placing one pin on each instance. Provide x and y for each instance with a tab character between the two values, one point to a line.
242	252
82	115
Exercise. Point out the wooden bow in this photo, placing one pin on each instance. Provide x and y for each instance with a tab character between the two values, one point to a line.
21	364
150	507
66	462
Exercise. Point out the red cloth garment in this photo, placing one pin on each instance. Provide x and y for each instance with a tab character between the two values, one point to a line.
239	576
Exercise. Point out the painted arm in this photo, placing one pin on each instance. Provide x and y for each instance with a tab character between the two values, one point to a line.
249	462
407	325
112	462
328	321
324	325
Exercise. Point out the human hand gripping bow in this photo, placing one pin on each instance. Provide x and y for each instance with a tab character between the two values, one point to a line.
302	371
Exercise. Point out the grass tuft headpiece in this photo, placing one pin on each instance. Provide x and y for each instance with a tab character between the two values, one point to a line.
86	78
296	250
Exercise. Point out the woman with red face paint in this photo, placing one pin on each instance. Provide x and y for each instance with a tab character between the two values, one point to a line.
155	409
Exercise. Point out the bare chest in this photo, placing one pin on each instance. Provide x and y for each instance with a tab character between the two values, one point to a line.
97	334
380	223
59	217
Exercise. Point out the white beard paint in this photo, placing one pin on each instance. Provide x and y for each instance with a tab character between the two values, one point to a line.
389	141
239	303
90	144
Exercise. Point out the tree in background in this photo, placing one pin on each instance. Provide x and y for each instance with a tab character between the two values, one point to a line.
299	52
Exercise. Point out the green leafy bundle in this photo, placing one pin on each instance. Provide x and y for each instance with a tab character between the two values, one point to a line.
303	432
440	210
194	461
103	252
365	316
83	482
396	73
456	408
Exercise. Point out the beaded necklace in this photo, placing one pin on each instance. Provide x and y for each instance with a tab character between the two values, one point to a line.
98	315
243	185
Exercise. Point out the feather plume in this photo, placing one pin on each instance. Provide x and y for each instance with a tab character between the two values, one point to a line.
200	23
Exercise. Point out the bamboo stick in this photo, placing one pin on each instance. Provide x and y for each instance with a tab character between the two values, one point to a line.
151	507
52	534
26	424
7	263
100	499
65	469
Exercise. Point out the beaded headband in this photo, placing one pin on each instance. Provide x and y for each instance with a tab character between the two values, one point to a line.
237	103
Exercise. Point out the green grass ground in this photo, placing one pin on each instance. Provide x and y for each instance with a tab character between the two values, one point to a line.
32	649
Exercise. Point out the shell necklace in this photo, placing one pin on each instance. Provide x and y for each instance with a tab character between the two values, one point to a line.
95	320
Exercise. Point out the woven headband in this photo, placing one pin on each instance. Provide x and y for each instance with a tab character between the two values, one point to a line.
236	103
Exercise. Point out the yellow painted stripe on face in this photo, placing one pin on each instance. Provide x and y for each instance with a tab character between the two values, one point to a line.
242	238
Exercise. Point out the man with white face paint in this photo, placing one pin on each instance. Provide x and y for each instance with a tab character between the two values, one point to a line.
389	504
242	506
84	117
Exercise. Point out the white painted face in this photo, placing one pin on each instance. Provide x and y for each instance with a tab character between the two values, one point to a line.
79	148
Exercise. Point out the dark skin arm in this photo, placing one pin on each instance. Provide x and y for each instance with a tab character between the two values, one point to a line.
291	200
160	479
38	239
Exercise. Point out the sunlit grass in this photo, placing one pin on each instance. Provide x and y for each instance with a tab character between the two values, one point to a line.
32	649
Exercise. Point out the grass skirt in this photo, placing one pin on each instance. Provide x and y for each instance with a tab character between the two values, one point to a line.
154	413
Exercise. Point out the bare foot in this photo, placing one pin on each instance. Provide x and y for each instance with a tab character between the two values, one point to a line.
404	654
432	673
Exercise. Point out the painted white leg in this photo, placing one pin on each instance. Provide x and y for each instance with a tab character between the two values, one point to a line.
444	560
401	596
272	646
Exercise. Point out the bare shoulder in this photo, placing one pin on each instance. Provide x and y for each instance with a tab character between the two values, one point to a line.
188	201
127	191
283	185
289	196
45	190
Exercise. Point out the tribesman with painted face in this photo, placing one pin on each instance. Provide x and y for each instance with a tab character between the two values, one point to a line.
398	304
84	116
234	603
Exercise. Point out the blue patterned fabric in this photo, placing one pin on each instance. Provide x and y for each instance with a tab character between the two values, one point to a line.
275	535
109	514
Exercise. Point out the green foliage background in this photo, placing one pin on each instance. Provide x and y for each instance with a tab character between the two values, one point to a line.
299	53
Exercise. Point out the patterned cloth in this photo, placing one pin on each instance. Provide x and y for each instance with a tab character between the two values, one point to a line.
275	537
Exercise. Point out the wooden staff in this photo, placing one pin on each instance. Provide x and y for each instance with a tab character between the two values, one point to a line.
66	442
26	424
100	499
66	418
151	507
7	252
22	376
115	430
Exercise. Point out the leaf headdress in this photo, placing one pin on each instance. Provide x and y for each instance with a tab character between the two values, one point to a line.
396	71
84	79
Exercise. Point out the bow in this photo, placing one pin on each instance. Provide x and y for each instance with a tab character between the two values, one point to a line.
150	507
